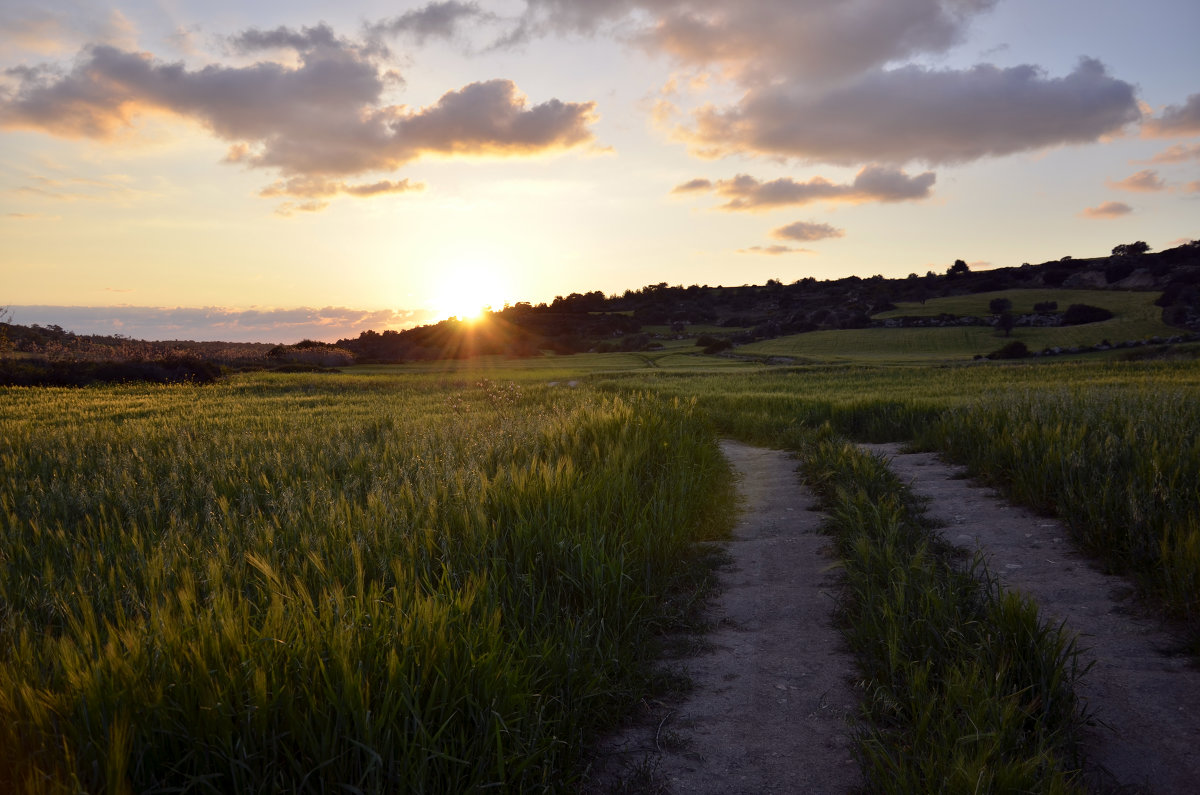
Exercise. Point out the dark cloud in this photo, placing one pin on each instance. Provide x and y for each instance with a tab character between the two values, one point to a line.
1177	120
321	118
913	113
219	323
873	183
1107	210
303	40
1144	181
439	20
760	40
806	231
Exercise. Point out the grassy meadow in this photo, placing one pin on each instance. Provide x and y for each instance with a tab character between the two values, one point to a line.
450	576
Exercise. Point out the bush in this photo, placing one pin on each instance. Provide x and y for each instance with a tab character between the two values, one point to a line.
717	346
1013	350
169	370
999	305
1078	314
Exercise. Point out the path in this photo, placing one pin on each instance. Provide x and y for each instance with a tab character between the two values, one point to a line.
768	712
1141	686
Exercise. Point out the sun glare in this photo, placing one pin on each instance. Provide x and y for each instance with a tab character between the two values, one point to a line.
467	291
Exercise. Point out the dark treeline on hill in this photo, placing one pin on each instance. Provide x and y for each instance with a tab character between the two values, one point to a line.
717	317
596	322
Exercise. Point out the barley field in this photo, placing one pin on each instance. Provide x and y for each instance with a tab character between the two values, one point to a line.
320	583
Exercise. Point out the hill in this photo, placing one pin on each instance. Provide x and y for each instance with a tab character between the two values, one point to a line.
1149	294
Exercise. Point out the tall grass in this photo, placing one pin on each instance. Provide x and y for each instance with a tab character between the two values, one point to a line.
290	583
1113	448
966	688
1120	464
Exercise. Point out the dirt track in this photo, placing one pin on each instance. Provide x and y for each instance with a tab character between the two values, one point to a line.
1144	691
772	689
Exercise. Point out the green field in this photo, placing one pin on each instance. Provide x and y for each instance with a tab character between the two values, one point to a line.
1120	302
1136	318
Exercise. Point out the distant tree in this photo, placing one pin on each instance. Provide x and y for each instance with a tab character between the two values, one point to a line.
1131	249
1006	321
958	268
999	306
5	317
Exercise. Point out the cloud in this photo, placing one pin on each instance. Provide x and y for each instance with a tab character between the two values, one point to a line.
694	186
438	20
756	41
914	113
1179	153
303	40
315	187
45	29
320	118
774	250
32	217
1192	187
1107	210
1177	120
805	231
1144	181
288	209
113	187
872	183
221	323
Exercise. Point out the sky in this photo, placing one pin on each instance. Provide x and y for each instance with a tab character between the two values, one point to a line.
272	171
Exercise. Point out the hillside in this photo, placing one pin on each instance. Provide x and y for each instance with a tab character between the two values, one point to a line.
951	315
1149	294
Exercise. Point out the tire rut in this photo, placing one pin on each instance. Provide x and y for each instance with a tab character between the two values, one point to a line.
1142	690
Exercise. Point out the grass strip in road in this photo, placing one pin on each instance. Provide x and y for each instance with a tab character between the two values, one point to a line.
966	688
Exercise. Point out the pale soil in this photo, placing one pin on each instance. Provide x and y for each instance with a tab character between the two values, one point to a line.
1142	690
772	683
772	686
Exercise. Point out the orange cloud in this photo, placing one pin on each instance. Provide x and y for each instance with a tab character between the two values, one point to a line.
315	187
1144	181
1107	210
1177	120
1179	153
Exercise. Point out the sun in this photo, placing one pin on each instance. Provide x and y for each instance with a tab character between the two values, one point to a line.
467	291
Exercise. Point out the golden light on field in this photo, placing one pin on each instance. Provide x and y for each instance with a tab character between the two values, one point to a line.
467	290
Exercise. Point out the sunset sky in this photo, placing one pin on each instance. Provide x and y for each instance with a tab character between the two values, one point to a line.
176	169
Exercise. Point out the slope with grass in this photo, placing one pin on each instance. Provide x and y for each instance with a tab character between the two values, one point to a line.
1136	318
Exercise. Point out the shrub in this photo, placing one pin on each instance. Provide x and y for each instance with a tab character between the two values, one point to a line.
1013	350
1078	314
